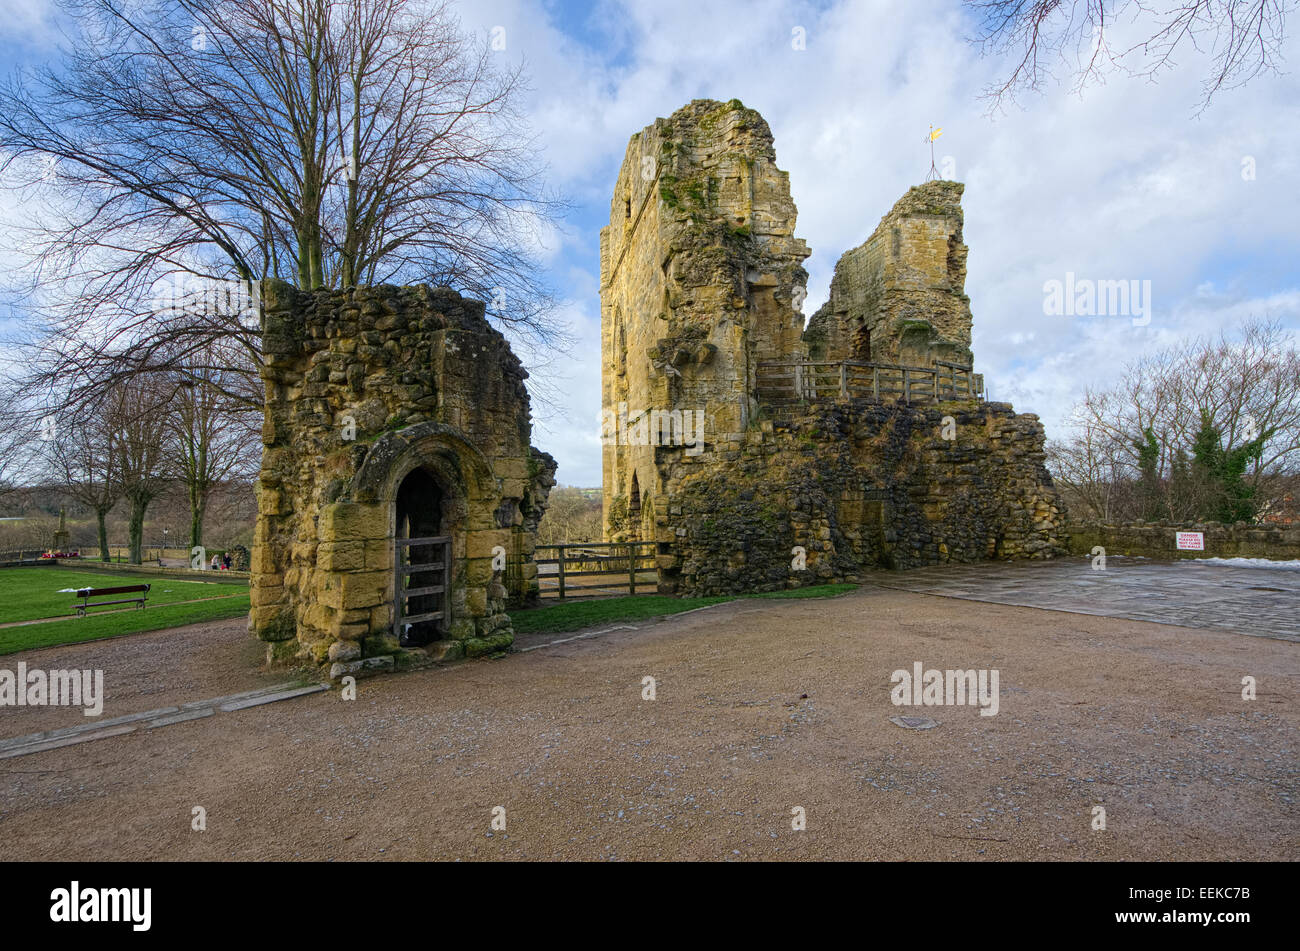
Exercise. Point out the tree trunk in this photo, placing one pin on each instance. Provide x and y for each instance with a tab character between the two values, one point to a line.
198	505
100	515
135	528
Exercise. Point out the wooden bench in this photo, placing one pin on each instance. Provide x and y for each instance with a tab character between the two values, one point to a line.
87	593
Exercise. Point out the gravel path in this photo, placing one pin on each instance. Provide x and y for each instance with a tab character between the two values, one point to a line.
761	706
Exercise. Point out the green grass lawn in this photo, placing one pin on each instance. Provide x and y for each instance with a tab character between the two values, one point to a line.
812	591
93	627
576	615
30	593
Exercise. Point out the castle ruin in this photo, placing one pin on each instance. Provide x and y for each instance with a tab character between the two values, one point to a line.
399	494
758	454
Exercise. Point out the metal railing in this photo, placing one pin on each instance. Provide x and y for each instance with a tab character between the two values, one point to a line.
626	565
854	379
20	555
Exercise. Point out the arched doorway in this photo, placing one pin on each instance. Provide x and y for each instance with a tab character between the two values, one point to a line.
422	603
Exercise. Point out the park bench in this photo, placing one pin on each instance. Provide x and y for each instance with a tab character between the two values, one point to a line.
87	593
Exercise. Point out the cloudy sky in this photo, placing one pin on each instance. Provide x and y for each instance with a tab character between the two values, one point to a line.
1129	181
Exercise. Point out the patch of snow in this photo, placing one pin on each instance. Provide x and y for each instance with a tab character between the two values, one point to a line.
1293	565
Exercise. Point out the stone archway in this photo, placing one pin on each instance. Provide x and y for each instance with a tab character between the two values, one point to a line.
472	510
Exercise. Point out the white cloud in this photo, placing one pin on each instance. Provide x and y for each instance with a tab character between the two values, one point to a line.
30	22
1123	182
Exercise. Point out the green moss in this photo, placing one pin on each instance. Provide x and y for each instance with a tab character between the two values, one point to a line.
479	646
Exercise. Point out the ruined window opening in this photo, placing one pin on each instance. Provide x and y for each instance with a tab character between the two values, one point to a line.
862	344
634	508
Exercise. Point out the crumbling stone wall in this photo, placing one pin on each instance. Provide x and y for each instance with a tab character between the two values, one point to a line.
701	280
900	296
363	387
856	485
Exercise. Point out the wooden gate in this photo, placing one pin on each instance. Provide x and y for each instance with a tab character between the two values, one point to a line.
626	565
423	577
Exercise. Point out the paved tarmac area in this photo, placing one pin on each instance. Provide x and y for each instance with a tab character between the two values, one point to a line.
1190	593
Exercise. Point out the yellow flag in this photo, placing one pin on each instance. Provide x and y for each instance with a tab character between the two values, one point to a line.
935	133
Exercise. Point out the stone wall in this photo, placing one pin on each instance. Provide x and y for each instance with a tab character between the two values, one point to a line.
363	388
858	486
1156	540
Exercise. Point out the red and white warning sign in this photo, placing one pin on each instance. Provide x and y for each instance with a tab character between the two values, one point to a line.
1190	541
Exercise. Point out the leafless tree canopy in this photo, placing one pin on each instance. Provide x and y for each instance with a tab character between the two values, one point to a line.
183	147
83	460
207	442
1076	37
1248	386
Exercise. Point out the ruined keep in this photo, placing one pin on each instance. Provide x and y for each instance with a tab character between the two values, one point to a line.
899	297
397	480
757	454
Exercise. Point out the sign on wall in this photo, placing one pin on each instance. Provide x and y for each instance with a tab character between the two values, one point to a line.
1190	541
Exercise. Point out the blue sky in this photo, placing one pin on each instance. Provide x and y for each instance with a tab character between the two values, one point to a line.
1126	181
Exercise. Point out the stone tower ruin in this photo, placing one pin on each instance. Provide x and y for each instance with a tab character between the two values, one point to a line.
757	454
399	494
701	278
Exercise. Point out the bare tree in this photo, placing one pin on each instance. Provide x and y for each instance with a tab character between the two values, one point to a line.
9	452
572	516
219	142
83	458
1244	38
209	441
137	414
1247	387
1091	470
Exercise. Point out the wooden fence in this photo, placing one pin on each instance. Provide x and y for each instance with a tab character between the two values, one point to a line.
853	379
623	567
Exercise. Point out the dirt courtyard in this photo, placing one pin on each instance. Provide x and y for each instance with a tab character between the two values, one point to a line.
760	707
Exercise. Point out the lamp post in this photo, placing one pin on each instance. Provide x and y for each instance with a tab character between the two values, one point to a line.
163	551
